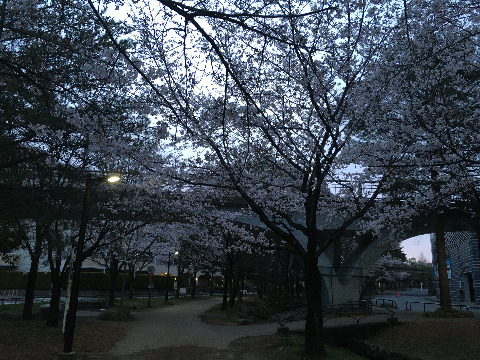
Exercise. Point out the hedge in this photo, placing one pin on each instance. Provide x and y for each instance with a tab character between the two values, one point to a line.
97	281
15	280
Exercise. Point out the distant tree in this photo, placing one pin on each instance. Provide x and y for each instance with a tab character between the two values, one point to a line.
397	253
69	104
422	258
429	100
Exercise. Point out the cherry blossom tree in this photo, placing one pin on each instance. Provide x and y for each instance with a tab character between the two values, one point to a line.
264	94
430	106
70	105
275	101
389	269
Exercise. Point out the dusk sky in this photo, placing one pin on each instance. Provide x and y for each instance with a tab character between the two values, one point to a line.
414	246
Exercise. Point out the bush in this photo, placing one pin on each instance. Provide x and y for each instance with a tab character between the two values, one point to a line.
117	314
448	313
99	281
15	280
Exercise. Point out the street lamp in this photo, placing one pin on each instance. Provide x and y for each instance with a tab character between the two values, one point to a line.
77	264
168	274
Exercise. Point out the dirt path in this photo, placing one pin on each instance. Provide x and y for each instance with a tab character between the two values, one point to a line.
180	325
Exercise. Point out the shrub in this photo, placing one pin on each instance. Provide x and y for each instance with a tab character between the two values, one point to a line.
117	314
15	280
448	313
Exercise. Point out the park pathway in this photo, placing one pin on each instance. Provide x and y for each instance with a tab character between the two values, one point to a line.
181	325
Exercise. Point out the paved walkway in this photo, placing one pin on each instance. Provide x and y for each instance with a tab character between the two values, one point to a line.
181	325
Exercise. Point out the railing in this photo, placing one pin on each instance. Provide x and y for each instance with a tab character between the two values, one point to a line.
408	305
391	301
346	310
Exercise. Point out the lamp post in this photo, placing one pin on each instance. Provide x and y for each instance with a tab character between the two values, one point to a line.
77	263
168	274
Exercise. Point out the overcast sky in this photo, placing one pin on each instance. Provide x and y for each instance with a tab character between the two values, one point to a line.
414	246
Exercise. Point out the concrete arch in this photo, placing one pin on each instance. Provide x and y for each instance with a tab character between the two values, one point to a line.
341	283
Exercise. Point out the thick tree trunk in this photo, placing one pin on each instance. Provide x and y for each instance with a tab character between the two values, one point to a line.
227	278
53	316
445	301
234	290
113	281
226	282
314	324
32	274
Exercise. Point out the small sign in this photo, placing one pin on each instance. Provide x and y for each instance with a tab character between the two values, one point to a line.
175	285
151	286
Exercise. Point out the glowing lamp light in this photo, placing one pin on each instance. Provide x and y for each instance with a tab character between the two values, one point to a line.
113	178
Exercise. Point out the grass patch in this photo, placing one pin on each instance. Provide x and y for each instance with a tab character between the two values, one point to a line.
294	350
25	340
446	339
18	307
157	302
449	313
231	316
251	309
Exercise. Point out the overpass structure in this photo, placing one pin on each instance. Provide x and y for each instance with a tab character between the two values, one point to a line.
346	262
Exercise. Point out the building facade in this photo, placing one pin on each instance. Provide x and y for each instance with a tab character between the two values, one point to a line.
463	266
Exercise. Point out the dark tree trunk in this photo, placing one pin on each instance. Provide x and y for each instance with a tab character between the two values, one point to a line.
131	276
113	281
57	279
260	290
71	315
285	280
314	324
234	289
298	286
226	282
180	278
445	301
57	276
241	282
32	274
53	316
194	288
227	278
211	285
